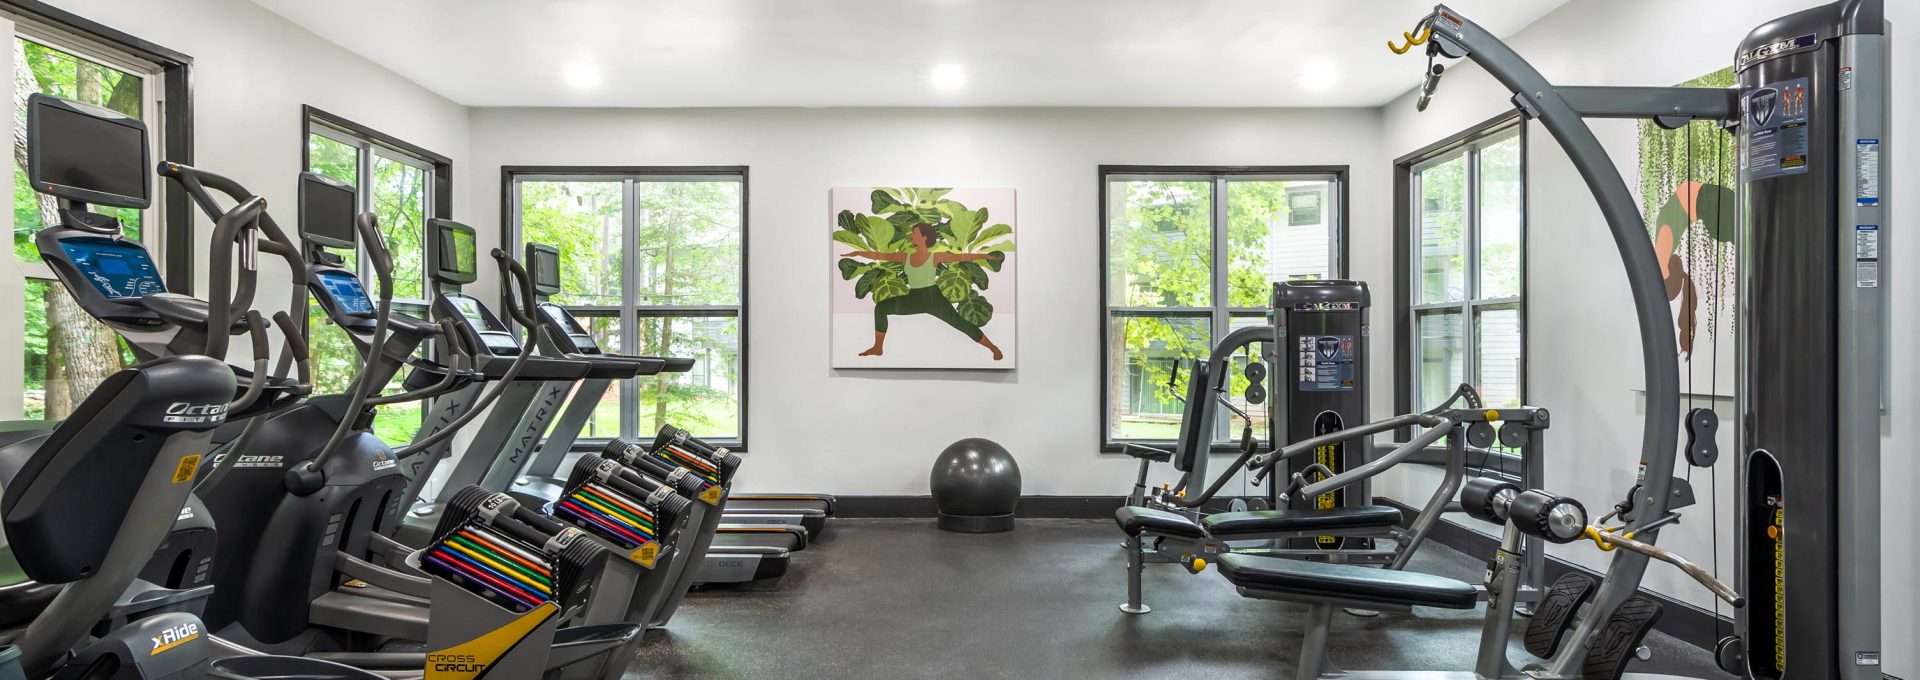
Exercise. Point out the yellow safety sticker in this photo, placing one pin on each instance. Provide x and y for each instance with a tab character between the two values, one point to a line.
711	496
184	471
646	554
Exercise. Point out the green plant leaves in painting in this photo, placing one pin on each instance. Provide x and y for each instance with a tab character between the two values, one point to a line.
850	239
958	229
879	232
954	283
889	287
975	272
986	237
975	309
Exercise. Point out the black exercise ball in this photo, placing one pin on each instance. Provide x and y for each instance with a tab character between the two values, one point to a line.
976	485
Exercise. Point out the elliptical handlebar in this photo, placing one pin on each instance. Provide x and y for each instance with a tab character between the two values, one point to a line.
196	182
512	271
374	244
222	300
257	330
309	480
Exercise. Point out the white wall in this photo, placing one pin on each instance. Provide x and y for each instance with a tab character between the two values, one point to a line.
1583	352
877	432
252	72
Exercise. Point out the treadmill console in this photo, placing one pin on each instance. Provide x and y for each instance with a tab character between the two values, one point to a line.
119	270
479	322
348	296
564	328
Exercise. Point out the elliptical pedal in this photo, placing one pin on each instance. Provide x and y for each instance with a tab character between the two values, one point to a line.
1619	640
1553	616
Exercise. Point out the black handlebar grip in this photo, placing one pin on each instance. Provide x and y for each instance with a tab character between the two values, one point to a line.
374	244
257	329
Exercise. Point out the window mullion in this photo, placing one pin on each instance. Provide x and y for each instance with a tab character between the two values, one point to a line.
1218	319
629	318
1470	340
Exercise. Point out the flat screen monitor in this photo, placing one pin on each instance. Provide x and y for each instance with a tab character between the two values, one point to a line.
86	153
543	263
348	295
327	211
456	246
120	270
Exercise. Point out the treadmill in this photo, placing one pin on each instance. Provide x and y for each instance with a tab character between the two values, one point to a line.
563	336
756	547
525	404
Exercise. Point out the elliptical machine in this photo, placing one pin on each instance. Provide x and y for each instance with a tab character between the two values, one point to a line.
87	505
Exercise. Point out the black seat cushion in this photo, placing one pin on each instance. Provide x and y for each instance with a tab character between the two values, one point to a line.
1308	581
1134	519
1257	522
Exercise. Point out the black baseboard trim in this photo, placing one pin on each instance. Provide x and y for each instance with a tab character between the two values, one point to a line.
1690	624
1053	507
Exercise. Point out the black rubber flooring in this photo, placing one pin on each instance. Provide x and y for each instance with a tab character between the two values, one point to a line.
900	599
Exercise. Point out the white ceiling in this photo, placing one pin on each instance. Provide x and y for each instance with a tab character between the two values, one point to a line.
683	53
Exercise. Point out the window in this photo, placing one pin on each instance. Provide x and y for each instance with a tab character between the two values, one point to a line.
397	183
1463	245
67	353
653	260
1190	255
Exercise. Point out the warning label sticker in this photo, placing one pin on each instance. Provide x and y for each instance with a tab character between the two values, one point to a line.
1325	363
1866	172
1866	242
1776	129
1866	255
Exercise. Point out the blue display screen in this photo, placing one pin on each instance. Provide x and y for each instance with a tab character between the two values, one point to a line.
348	295
118	269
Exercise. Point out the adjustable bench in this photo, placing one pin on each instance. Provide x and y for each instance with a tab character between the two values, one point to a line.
1139	522
1327	587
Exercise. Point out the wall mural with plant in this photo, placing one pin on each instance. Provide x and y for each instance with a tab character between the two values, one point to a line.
1686	180
909	260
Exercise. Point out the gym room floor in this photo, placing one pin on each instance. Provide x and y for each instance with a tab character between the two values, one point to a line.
895	598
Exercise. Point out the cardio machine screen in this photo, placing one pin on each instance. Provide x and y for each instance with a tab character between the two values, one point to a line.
471	309
347	293
118	269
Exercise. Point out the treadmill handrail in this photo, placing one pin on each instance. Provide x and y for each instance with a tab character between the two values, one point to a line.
509	270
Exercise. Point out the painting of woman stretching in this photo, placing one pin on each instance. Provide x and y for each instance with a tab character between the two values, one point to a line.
927	272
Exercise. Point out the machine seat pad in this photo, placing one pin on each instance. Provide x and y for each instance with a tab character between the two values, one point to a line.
1134	520
1258	522
1321	580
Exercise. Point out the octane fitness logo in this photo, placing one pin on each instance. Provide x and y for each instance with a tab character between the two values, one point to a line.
187	412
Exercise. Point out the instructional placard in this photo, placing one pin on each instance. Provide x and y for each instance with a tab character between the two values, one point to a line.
1776	129
1325	363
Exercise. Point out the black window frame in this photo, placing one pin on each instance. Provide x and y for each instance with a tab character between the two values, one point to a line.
440	177
1405	212
1342	227
510	236
176	111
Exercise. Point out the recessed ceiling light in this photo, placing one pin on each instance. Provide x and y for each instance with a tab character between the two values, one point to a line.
581	75
1320	76
948	77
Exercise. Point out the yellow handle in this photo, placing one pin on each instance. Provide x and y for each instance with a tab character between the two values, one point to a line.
1411	41
1599	538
